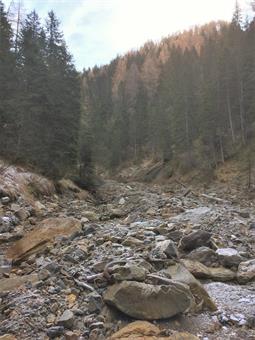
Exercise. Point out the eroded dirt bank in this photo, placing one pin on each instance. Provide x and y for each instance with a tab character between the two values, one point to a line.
83	268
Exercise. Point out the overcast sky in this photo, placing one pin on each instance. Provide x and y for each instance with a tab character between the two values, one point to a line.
96	31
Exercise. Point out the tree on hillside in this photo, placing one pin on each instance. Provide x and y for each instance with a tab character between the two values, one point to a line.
7	87
62	118
32	89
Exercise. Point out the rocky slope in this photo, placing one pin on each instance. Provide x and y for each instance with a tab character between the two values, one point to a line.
73	267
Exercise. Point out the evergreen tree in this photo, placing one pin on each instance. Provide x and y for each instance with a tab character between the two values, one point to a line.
32	91
63	98
8	136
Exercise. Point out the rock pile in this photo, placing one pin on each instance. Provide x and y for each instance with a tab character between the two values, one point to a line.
82	270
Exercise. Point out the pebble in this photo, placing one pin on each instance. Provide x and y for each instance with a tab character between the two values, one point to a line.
55	331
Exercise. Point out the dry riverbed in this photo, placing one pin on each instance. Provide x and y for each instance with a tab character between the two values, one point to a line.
78	267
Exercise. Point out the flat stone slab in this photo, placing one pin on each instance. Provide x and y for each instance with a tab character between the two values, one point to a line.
149	302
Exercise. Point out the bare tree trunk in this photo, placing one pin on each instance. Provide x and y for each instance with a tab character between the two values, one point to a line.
15	15
17	28
222	150
249	170
230	118
187	134
241	111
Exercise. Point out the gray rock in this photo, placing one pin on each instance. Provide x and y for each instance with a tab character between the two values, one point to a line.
84	220
116	213
228	257
22	214
146	224
89	229
131	241
55	331
149	302
165	248
43	274
5	227
8	237
95	302
252	225
244	214
205	255
7	223
66	319
194	216
129	272
122	201
5	200
195	239
246	271
90	215
200	271
15	207
175	235
52	267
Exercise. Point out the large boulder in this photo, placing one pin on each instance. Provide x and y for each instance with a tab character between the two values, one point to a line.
179	273
246	271
200	271
195	239
149	302
43	234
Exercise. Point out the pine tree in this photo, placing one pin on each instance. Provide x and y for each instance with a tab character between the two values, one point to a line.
32	91
7	87
63	98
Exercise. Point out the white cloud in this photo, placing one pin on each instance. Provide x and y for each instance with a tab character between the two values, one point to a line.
121	25
97	30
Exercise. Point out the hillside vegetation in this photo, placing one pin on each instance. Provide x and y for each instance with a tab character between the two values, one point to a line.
187	99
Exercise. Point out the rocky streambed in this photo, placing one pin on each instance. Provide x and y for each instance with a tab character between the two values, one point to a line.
75	267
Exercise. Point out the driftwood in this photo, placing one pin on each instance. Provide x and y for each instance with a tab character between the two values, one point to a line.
215	199
84	285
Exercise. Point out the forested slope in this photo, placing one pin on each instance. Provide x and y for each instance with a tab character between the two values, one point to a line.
39	96
188	99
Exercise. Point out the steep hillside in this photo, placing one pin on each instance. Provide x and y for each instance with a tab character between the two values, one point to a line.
187	99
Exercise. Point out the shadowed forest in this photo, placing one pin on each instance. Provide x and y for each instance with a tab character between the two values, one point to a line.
187	99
